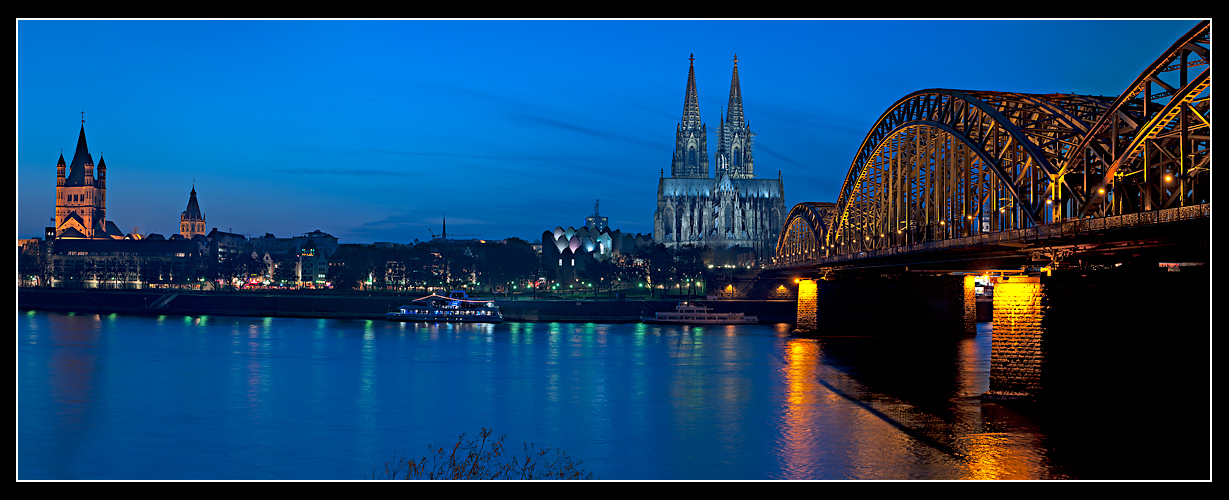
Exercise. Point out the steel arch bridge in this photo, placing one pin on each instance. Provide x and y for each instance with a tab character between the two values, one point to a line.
942	164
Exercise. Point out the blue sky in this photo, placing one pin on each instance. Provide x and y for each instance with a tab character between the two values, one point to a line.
373	130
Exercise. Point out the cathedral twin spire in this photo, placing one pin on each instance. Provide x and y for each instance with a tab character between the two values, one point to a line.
691	141
691	103
734	138
727	207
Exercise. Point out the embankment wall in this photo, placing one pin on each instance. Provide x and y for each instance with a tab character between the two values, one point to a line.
355	305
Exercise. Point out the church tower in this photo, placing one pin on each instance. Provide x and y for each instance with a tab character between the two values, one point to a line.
192	221
690	138
733	209
81	199
735	138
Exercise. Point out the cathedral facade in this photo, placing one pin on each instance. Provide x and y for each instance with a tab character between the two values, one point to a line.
730	209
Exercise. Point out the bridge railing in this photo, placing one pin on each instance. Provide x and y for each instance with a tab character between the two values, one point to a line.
1035	233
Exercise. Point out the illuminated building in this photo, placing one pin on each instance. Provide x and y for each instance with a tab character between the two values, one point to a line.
732	209
126	263
309	253
81	199
593	241
192	221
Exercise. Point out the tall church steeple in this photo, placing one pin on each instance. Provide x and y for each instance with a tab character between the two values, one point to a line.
81	206
735	138
82	165
690	138
730	210
192	221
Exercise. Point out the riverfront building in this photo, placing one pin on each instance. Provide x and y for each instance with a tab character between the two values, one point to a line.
563	250
730	209
309	254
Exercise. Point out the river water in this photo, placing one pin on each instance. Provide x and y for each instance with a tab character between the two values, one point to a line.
117	397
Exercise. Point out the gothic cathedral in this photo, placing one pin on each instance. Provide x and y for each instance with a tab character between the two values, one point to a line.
731	209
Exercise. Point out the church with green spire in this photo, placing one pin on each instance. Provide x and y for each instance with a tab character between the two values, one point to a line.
731	208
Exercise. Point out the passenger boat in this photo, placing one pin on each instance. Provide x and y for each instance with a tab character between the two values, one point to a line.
456	307
697	314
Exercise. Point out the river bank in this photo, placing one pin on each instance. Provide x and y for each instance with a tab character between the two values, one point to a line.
360	306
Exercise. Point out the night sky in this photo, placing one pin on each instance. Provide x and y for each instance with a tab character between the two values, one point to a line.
373	130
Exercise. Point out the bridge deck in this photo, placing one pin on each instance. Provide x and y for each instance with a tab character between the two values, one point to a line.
1004	248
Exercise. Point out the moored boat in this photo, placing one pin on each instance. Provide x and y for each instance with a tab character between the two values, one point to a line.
692	313
456	307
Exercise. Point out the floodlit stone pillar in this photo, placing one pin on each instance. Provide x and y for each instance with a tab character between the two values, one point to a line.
808	305
1016	354
970	304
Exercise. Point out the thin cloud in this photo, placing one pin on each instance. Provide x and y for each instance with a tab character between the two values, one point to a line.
759	148
600	134
442	155
338	171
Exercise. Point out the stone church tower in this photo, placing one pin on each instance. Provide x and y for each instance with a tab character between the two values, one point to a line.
734	139
728	210
691	138
192	221
80	198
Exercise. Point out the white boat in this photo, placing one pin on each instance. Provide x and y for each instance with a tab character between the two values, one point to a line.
457	307
697	314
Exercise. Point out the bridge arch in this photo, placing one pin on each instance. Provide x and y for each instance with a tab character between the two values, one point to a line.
1152	148
805	231
943	163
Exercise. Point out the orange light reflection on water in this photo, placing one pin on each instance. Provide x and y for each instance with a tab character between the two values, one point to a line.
971	443
799	442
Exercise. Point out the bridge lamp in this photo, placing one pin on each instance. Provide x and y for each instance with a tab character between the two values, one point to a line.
1168	177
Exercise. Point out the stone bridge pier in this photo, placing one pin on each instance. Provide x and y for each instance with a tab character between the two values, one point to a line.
1101	336
1116	335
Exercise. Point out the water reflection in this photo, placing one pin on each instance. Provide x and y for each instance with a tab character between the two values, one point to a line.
800	445
75	376
277	398
925	394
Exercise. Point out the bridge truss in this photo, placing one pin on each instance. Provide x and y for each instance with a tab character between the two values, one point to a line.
942	164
